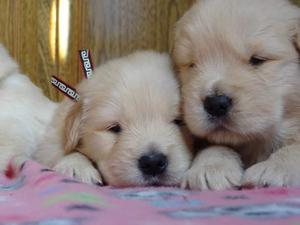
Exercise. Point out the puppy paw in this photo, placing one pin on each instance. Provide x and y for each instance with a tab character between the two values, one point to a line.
215	168
80	168
281	169
265	174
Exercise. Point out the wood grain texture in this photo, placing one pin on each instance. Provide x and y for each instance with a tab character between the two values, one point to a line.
296	2
110	28
25	31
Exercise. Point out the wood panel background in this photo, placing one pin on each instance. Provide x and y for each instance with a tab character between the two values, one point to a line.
110	28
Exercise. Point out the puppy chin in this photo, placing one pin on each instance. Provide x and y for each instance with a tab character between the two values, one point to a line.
140	181
223	136
215	134
172	181
123	183
234	130
117	174
120	178
125	176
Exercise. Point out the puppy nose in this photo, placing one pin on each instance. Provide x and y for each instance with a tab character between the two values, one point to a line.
153	163
217	105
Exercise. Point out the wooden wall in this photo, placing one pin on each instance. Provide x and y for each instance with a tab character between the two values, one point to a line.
33	32
30	29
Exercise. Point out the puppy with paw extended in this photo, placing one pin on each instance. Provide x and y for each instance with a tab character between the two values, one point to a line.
238	62
125	122
24	112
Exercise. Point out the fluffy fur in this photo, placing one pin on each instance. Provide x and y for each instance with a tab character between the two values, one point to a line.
138	92
215	41
24	113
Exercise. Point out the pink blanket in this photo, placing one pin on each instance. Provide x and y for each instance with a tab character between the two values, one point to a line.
38	196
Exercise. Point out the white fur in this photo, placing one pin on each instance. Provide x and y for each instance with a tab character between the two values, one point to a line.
24	112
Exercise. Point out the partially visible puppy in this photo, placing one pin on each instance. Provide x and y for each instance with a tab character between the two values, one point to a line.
125	122
24	112
238	62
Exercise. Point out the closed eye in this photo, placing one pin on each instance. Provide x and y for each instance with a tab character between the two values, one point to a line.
179	122
115	128
192	65
257	60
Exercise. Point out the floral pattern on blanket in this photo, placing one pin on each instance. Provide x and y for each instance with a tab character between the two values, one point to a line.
39	196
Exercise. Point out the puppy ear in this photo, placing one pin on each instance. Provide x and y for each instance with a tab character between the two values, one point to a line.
72	124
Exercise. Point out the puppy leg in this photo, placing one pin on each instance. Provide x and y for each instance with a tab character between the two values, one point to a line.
281	169
6	155
79	167
215	168
13	145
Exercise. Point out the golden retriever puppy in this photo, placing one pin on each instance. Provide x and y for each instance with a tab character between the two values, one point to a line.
238	63
24	112
126	122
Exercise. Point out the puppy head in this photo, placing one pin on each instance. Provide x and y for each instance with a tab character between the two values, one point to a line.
237	62
126	119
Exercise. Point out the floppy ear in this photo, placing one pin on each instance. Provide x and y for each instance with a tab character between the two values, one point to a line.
72	127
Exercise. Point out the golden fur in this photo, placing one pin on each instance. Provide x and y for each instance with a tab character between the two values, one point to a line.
214	43
140	93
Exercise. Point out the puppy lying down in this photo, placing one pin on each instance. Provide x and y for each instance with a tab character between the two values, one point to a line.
24	112
239	68
125	122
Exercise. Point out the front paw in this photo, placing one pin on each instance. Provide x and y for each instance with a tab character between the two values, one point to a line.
80	168
281	169
215	168
269	173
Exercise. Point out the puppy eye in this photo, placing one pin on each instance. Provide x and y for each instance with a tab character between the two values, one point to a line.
115	128
178	122
192	65
257	61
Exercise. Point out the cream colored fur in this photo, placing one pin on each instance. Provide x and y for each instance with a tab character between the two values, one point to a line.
214	42
140	93
24	112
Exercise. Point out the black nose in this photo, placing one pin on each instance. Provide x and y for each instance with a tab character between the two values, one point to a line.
217	105
153	164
